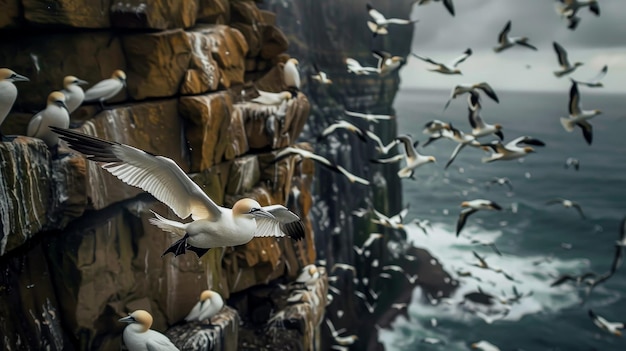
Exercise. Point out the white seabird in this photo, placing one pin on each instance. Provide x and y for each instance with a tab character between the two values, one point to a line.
569	9
321	76
610	327
380	147
212	225
309	275
435	126
273	99
468	88
370	240
368	116
479	127
54	115
394	222
572	162
446	3
74	94
566	67
8	92
210	304
500	181
449	68
578	116
461	139
594	82
511	150
485	346
291	75
355	67
412	157
379	26
336	334
567	204
138	336
505	42
342	124
471	207
106	89
323	161
387	63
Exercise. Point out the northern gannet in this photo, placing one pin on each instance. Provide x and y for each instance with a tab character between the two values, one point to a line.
291	75
572	162
321	76
336	334
210	304
500	181
569	9
212	225
511	150
274	99
412	157
54	115
449	68
380	147
472	207
479	127
74	94
567	204
379	26
355	67
490	244
578	116
394	222
8	92
322	160
368	116
363	250
435	126
468	88
594	82
106	89
577	279
138	336
566	67
610	327
461	139
447	3
485	346
387	63
505	42
341	124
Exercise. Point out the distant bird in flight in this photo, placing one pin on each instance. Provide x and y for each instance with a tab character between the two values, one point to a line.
566	67
355	67
321	76
379	26
323	161
472	207
569	9
567	204
594	82
368	116
341	124
500	181
572	162
578	116
387	63
447	3
449	68
610	327
412	157
506	42
480	128
511	150
468	88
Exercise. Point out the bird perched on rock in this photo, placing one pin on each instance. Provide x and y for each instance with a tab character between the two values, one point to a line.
291	75
54	115
8	92
74	94
106	89
210	304
138	336
212	225
268	98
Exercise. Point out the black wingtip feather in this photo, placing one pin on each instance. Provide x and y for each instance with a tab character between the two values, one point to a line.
294	230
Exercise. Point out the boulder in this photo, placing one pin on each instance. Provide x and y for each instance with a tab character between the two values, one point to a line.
72	13
160	15
274	42
213	11
220	334
10	13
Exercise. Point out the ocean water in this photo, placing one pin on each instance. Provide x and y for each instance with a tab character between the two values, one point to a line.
527	231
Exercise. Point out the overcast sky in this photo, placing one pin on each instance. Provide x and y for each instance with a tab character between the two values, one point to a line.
596	41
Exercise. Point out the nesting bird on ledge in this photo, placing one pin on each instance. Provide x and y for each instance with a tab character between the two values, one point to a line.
212	225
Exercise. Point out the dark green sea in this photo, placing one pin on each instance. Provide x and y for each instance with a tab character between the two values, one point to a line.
553	317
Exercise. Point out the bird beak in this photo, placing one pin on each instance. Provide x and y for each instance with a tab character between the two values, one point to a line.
474	346
82	82
263	214
20	78
128	319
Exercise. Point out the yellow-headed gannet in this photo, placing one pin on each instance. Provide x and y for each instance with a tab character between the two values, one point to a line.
323	161
569	8
511	150
505	42
267	98
379	26
447	3
462	140
74	94
212	225
291	75
341	124
54	115
578	116
138	336
468	88
473	206
594	82
412	157
610	327
8	92
572	162
387	63
210	304
321	76
479	127
485	346
106	89
449	68
567	204
566	67
355	67
309	276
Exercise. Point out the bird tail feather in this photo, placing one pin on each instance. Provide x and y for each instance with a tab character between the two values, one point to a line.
567	124
168	225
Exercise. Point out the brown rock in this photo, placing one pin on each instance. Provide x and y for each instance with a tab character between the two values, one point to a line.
57	56
245	11
274	42
213	11
10	13
236	142
154	14
157	63
244	175
268	17
73	13
252	35
208	118
204	73
221	334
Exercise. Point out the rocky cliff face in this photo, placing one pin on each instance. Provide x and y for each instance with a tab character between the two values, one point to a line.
76	249
325	34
